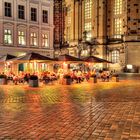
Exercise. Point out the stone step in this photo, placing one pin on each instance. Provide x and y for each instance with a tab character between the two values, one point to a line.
129	76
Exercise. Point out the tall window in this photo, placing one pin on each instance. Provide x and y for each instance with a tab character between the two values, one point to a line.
88	28
8	9
68	23
118	27
21	12
118	7
45	16
33	14
115	56
7	36
88	9
33	38
88	15
118	18
45	40
21	38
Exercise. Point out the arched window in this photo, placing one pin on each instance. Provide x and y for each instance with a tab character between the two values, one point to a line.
115	56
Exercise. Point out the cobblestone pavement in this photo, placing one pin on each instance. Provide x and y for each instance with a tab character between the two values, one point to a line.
103	111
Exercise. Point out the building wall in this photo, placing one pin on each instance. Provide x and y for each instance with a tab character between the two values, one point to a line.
75	26
105	18
59	13
27	26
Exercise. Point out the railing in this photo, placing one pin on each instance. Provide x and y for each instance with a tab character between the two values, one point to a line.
115	38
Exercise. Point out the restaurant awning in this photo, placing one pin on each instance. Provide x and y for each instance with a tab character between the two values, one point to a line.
93	59
32	57
68	58
6	57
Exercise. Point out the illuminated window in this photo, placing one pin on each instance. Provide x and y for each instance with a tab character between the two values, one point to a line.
118	18
7	36
21	38
88	15
118	7
117	27
88	28
33	38
88	9
84	53
115	55
45	40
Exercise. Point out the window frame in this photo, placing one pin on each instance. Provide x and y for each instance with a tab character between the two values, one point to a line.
44	40
8	9
8	35
33	39
45	17
21	37
33	14
21	12
115	56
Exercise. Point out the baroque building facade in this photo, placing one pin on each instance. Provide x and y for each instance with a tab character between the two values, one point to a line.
26	26
108	29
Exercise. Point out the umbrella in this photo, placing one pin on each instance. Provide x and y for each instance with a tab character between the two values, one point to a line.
67	57
32	56
6	57
95	59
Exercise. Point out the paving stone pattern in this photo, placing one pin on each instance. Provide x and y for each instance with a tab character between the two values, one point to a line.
109	111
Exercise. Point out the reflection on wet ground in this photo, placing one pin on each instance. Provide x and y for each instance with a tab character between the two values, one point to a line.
87	111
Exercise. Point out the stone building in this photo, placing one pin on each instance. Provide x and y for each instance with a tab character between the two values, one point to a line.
26	26
60	44
109	29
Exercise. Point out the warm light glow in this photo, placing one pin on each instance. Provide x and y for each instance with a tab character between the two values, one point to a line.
118	27
118	18
129	66
64	63
21	38
88	9
7	36
89	64
33	38
87	16
45	40
115	56
118	7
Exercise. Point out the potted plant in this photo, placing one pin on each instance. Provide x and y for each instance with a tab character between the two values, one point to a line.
67	79
116	77
94	78
33	81
3	79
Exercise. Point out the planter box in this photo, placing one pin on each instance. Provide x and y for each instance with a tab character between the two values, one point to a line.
67	81
3	81
94	79
33	83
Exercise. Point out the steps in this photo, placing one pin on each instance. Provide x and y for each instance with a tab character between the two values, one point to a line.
129	76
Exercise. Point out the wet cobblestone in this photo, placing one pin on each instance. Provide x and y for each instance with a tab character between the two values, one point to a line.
86	112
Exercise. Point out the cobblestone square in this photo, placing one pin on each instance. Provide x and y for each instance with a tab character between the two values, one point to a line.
102	111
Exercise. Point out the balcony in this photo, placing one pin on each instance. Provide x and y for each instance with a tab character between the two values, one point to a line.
115	39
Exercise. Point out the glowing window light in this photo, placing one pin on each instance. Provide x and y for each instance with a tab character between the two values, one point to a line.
21	38
33	37
129	66
45	40
7	36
